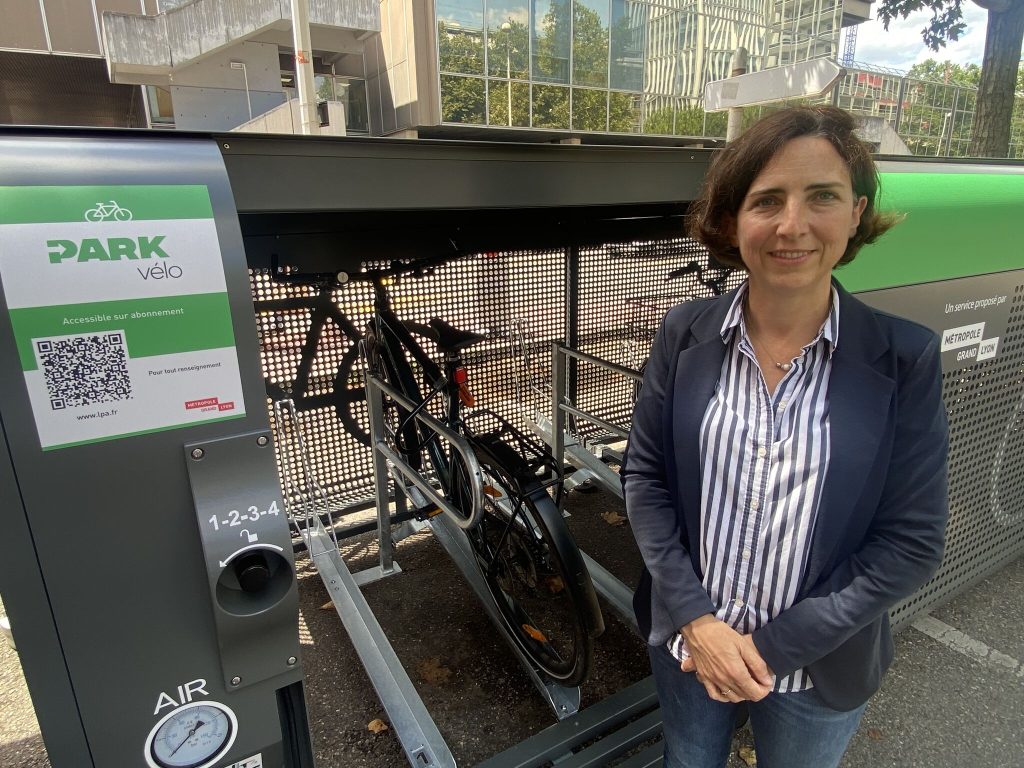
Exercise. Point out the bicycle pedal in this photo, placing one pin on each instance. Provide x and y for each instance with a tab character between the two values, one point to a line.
490	490
425	513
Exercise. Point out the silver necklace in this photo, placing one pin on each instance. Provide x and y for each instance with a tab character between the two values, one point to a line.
784	367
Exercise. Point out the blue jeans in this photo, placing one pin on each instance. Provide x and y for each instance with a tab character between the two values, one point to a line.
791	730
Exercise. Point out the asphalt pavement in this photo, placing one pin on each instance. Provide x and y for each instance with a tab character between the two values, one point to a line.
954	697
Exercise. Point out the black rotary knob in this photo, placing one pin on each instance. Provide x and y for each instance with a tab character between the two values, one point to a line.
253	572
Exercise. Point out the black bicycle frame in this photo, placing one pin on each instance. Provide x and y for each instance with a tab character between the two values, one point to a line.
395	340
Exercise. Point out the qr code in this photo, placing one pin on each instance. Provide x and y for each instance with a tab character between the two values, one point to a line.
85	370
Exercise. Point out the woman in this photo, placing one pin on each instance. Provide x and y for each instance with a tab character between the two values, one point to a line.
786	470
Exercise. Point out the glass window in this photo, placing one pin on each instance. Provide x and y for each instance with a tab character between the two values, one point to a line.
498	103
550	42
550	106
629	20
324	87
352	93
508	39
659	120
460	36
623	113
161	110
590	43
462	99
589	110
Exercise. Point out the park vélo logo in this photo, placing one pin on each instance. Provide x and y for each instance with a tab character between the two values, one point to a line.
109	211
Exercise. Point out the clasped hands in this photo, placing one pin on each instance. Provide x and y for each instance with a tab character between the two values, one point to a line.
726	662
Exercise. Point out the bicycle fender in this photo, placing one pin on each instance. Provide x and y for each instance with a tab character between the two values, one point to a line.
568	550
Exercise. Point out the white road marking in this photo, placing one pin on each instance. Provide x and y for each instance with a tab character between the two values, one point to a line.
965	645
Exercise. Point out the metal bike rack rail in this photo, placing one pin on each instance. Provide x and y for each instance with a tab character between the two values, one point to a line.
421	740
563	444
618	595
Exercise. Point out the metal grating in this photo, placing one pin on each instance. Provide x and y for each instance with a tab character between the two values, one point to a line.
521	300
309	348
624	292
985	403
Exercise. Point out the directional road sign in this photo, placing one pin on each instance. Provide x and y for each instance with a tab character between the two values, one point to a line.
805	79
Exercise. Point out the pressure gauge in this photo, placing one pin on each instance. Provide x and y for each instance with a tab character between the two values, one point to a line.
192	736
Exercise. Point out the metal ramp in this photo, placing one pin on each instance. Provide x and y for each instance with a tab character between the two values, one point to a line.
616	726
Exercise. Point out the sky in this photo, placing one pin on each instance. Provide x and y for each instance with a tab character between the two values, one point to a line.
902	47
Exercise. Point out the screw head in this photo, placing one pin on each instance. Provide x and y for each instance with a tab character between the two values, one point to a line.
236	680
292	661
227	146
198	453
262	440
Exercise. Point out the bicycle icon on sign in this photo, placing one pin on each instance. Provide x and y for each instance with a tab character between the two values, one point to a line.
108	212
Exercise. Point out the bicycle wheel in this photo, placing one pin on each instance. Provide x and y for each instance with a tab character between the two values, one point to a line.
524	554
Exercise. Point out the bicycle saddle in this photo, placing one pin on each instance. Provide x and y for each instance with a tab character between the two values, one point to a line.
451	339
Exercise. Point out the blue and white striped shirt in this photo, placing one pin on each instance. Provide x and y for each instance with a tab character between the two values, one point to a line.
764	461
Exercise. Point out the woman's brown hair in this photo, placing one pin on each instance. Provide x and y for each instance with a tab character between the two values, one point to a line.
712	216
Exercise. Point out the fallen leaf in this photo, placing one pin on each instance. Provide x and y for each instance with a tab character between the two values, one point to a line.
748	756
613	518
377	726
875	734
535	633
554	585
432	671
328	606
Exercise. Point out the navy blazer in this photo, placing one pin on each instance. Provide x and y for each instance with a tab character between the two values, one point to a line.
881	522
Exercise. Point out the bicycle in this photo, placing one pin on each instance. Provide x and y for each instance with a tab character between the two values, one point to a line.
108	211
533	570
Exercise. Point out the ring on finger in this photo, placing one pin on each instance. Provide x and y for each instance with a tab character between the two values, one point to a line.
726	692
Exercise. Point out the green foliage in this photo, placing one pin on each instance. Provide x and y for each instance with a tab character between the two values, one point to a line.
946	23
462	99
946	72
508	50
460	50
623	112
590	48
992	128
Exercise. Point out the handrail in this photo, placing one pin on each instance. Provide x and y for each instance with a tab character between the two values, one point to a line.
628	372
376	386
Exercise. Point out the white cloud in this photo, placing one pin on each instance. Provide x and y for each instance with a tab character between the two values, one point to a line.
902	47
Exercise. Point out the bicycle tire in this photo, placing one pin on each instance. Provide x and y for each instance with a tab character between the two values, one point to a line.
536	577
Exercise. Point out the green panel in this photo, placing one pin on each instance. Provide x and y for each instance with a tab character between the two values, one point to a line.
957	225
153	326
140	202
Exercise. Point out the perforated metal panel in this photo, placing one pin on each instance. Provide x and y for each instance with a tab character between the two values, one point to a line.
310	337
624	292
985	403
608	301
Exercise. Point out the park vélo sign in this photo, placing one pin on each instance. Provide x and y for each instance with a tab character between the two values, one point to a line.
805	79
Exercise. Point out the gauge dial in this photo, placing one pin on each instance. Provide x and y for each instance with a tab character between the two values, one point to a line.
192	736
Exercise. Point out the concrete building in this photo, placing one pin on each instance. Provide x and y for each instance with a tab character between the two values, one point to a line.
522	69
200	65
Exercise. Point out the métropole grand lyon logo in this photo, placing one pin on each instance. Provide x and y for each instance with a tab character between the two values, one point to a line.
969	342
109	211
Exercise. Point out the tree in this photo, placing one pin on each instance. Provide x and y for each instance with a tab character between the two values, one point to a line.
1004	36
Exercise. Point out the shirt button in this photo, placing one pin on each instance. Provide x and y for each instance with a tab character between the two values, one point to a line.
761	452
746	554
782	404
755	505
738	603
